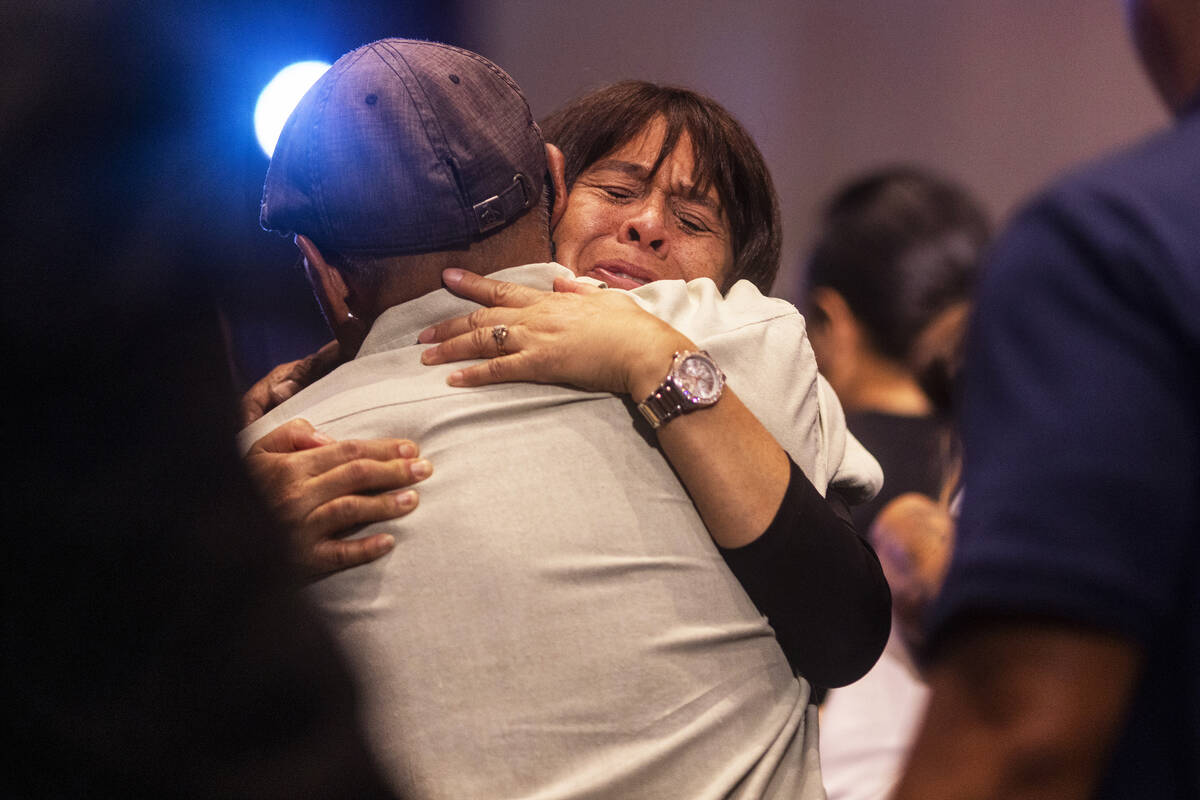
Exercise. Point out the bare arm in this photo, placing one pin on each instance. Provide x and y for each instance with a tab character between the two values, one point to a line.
734	470
1021	709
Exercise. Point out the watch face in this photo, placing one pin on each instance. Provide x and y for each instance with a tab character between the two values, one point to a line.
700	379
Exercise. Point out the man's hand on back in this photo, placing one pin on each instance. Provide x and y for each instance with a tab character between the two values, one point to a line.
286	379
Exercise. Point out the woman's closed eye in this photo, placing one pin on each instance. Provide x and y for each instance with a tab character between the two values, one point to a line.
692	224
619	192
692	220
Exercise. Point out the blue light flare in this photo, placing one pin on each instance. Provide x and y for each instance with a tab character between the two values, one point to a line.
279	97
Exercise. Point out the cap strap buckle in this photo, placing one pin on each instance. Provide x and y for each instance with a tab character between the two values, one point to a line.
502	208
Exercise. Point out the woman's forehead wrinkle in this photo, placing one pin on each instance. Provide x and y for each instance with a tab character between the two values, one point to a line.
618	165
697	185
703	177
670	141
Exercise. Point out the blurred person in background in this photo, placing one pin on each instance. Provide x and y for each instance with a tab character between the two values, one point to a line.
889	288
888	283
154	643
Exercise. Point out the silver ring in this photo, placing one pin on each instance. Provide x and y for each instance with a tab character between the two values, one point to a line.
500	333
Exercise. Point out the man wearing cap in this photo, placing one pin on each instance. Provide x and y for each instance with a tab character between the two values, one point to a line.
557	621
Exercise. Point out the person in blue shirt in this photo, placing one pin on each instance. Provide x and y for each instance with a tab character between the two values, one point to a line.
1064	649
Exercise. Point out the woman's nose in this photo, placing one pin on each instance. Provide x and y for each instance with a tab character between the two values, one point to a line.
646	226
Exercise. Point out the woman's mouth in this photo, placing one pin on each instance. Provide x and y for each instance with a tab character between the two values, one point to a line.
620	274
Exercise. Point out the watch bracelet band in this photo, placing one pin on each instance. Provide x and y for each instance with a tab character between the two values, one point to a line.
663	405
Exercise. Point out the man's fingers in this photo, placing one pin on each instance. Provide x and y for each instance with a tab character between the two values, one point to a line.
283	391
304	371
284	380
254	405
261	397
320	363
333	555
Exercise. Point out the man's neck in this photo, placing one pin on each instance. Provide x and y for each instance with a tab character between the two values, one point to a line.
424	275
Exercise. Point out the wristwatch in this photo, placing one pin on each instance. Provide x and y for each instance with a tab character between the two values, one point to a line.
694	381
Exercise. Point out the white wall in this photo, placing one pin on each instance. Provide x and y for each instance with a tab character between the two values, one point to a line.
1002	94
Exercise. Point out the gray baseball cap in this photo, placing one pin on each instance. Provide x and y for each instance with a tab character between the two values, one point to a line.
405	147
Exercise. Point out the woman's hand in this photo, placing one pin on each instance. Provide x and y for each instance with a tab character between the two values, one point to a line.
913	536
591	338
321	490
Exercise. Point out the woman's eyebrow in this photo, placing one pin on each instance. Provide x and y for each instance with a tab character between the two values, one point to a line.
627	167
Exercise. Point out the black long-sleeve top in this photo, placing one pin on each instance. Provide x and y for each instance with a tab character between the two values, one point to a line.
819	584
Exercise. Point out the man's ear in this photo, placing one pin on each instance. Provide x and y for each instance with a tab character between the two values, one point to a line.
556	166
333	294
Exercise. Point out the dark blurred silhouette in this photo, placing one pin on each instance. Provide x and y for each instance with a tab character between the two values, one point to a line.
1064	647
154	643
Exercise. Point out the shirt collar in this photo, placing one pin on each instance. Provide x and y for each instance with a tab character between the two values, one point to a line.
399	325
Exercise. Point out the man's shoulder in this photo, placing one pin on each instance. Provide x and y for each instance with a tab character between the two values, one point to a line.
535	275
298	405
345	390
